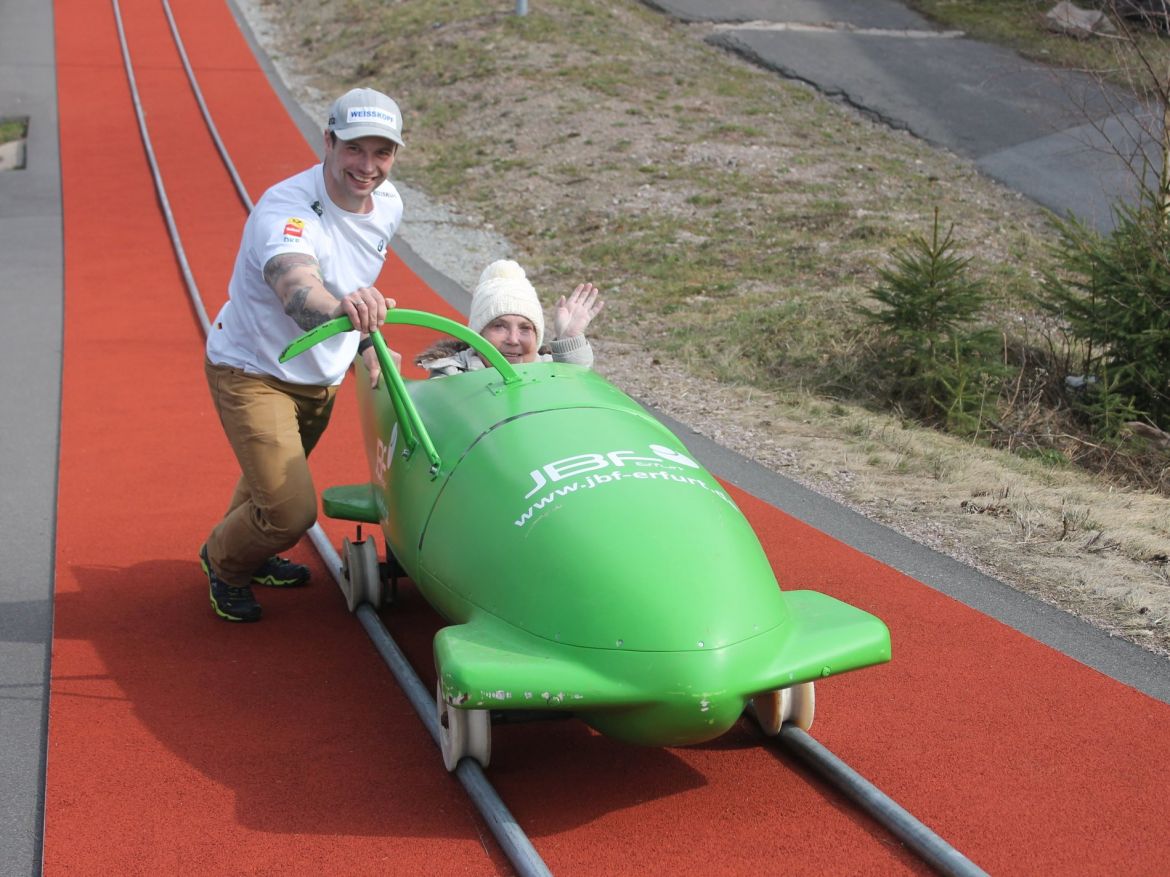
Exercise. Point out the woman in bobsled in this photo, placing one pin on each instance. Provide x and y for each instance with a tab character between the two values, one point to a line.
507	312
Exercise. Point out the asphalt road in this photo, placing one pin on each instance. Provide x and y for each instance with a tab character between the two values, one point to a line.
1056	136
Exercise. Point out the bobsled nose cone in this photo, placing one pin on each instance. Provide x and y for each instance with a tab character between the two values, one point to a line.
679	723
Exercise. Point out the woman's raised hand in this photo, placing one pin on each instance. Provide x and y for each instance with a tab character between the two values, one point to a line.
575	313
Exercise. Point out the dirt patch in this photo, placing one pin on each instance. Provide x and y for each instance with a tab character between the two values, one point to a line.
558	161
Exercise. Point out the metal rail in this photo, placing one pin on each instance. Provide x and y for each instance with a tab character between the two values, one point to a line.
931	848
513	841
503	825
241	189
160	190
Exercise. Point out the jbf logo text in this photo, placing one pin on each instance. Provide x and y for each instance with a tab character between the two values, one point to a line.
384	456
579	464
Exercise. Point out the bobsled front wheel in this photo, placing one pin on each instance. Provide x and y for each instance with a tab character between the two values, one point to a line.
463	732
796	704
363	577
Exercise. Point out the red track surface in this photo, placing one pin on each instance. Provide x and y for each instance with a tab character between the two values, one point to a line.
180	744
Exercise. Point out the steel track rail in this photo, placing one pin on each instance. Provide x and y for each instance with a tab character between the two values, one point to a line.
503	825
160	190
931	848
515	844
228	164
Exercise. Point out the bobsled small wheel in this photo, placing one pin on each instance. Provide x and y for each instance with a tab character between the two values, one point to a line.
359	568
796	704
375	581
463	732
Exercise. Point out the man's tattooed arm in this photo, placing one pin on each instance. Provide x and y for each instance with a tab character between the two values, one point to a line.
296	280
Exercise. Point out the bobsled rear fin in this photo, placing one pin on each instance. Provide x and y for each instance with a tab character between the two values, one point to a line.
828	637
352	502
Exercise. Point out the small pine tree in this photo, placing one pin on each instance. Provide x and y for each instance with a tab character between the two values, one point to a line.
1113	293
939	365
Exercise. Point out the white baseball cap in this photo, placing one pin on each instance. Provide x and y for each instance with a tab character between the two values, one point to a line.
363	112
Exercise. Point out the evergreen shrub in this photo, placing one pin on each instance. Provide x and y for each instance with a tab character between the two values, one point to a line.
936	364
1112	292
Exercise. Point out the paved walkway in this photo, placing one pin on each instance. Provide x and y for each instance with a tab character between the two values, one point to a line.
30	360
1046	133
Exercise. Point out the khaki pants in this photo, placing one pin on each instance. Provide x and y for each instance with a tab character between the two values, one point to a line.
272	426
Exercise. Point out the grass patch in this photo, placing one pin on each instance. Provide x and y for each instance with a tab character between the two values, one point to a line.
13	129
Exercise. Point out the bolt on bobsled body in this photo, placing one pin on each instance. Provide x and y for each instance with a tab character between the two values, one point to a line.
587	563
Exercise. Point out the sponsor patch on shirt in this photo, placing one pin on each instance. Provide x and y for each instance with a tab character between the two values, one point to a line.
294	228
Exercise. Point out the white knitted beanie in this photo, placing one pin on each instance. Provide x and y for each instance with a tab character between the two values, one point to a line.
503	289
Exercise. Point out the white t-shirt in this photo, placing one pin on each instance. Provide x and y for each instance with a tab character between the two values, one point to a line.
297	216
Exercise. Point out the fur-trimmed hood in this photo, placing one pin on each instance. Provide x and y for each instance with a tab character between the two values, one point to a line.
448	348
450	356
442	349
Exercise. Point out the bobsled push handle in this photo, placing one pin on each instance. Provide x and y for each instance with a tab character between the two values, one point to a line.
411	425
407	317
412	430
403	405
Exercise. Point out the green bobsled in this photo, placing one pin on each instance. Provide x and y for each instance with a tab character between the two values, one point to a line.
585	561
